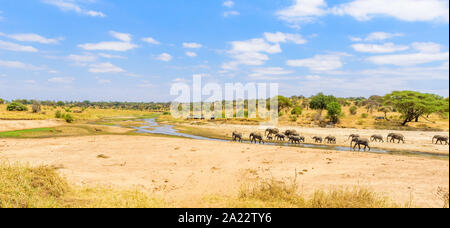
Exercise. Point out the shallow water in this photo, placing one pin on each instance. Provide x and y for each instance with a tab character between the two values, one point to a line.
164	129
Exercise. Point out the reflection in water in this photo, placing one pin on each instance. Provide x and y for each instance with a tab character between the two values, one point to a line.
169	130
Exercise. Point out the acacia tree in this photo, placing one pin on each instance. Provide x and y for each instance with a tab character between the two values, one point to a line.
412	105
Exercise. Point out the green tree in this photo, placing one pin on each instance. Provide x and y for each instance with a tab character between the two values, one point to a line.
320	101
283	103
297	110
2	101
334	111
413	105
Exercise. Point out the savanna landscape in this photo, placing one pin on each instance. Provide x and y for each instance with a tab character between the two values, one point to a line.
98	158
224	104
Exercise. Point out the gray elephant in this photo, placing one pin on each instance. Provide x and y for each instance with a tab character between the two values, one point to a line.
291	133
237	137
394	136
317	139
280	137
377	138
272	131
330	140
441	139
352	136
296	139
360	142
256	136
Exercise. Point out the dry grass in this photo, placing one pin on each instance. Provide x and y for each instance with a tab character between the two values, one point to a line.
48	112
42	187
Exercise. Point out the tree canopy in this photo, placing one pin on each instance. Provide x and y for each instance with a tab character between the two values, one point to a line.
412	105
320	101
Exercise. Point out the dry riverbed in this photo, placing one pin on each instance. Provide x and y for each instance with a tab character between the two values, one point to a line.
183	171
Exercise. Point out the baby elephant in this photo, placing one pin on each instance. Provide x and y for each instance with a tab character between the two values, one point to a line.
296	139
317	139
280	137
376	138
331	139
237	137
441	139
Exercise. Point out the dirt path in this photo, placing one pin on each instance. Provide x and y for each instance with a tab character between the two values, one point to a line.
415	140
182	169
13	125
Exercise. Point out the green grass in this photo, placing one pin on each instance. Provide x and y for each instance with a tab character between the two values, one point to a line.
22	133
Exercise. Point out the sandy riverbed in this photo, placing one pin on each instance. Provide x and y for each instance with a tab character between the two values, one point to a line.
185	170
13	125
415	140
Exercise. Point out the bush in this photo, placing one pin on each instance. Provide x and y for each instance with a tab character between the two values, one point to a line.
68	118
293	118
297	111
36	107
2	101
16	106
58	114
354	110
364	115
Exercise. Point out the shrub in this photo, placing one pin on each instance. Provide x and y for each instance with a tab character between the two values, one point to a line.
68	118
297	110
293	118
58	114
354	110
364	115
2	101
16	106
36	107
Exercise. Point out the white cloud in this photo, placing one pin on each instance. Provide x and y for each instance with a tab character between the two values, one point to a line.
405	10
103	81
123	45
231	13
30	37
318	63
280	37
375	48
16	47
303	11
313	77
250	52
105	68
269	73
109	56
427	53
192	45
150	40
71	5
228	4
164	57
363	10
125	37
62	80
375	36
20	65
408	59
80	59
427	47
191	54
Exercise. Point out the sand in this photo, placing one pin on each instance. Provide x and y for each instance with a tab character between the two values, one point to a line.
415	140
185	170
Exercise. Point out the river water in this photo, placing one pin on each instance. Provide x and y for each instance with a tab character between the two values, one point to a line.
153	127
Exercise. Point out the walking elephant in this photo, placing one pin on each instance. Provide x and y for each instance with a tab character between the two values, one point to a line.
237	137
395	136
317	139
360	142
254	137
441	139
377	138
330	140
271	131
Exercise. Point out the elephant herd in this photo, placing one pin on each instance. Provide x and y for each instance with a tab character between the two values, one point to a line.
274	134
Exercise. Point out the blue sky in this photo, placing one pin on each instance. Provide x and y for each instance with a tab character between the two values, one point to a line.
134	50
